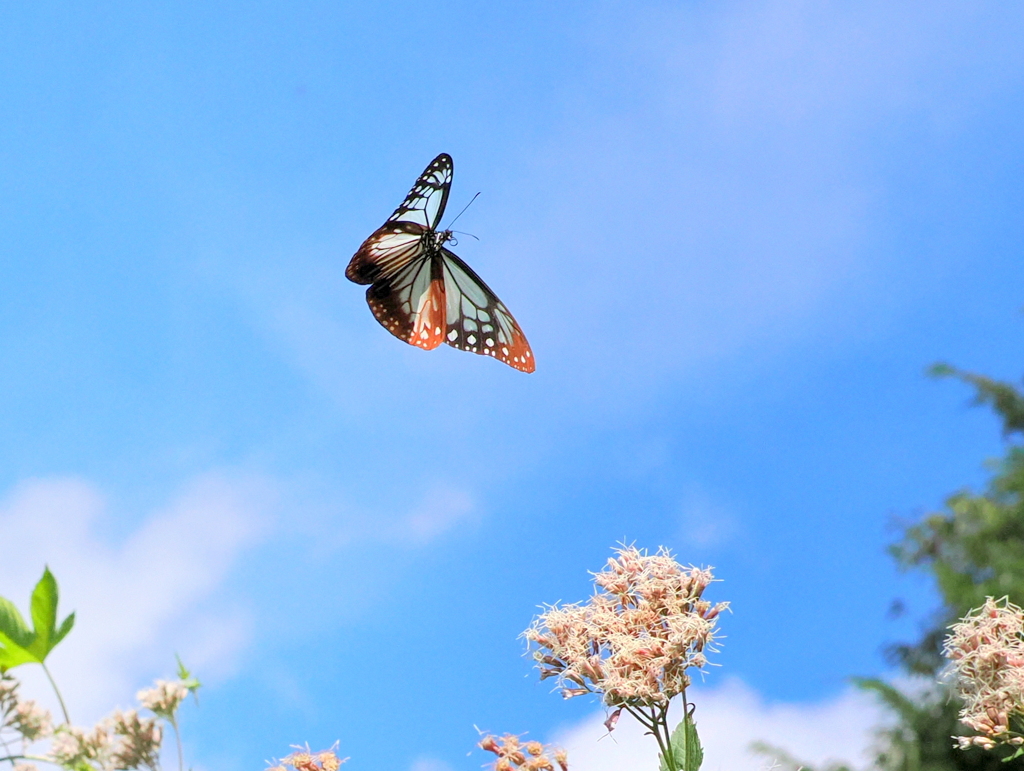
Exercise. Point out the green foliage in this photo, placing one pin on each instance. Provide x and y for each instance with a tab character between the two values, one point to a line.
685	747
188	679
920	739
21	645
973	548
781	760
1004	397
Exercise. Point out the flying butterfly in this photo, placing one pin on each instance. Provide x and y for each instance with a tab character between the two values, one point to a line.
421	292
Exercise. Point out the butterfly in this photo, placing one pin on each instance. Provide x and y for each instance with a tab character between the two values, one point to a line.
421	292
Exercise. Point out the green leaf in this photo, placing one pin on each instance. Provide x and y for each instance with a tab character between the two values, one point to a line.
14	636
65	627
12	625
21	645
12	654
44	613
188	679
686	749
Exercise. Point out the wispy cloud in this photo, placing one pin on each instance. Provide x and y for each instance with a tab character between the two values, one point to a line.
729	719
429	764
138	599
442	509
705	521
733	199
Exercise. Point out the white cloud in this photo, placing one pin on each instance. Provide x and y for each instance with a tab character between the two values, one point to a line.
429	764
728	195
417	518
441	509
139	599
705	521
729	719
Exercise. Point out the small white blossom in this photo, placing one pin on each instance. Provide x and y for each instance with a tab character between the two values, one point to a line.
986	649
30	720
164	697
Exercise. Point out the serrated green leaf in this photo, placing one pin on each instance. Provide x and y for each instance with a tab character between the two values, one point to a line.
44	614
62	631
12	625
21	645
686	747
12	654
188	679
183	673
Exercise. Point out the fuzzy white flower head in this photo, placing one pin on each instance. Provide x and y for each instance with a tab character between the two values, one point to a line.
72	747
164	697
986	649
137	742
635	639
30	720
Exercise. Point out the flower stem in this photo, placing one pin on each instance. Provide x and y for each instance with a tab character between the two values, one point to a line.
657	726
56	690
177	740
670	758
39	758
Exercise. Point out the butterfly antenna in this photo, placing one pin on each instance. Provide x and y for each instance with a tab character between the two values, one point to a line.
463	212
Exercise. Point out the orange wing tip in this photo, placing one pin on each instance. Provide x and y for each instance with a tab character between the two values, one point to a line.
522	360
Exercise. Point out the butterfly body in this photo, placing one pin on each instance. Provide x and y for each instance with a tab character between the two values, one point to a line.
422	292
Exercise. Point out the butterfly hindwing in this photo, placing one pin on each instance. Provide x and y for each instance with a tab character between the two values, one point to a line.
477	320
410	303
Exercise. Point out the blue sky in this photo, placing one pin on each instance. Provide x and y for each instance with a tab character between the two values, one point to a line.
735	234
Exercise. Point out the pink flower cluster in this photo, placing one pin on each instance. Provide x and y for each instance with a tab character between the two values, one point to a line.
164	697
515	755
122	741
22	716
986	649
634	640
305	760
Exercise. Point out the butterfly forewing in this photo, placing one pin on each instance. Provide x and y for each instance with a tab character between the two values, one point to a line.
398	241
426	201
389	249
478	321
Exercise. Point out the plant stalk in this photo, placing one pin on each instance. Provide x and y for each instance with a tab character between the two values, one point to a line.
177	740
56	690
39	758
